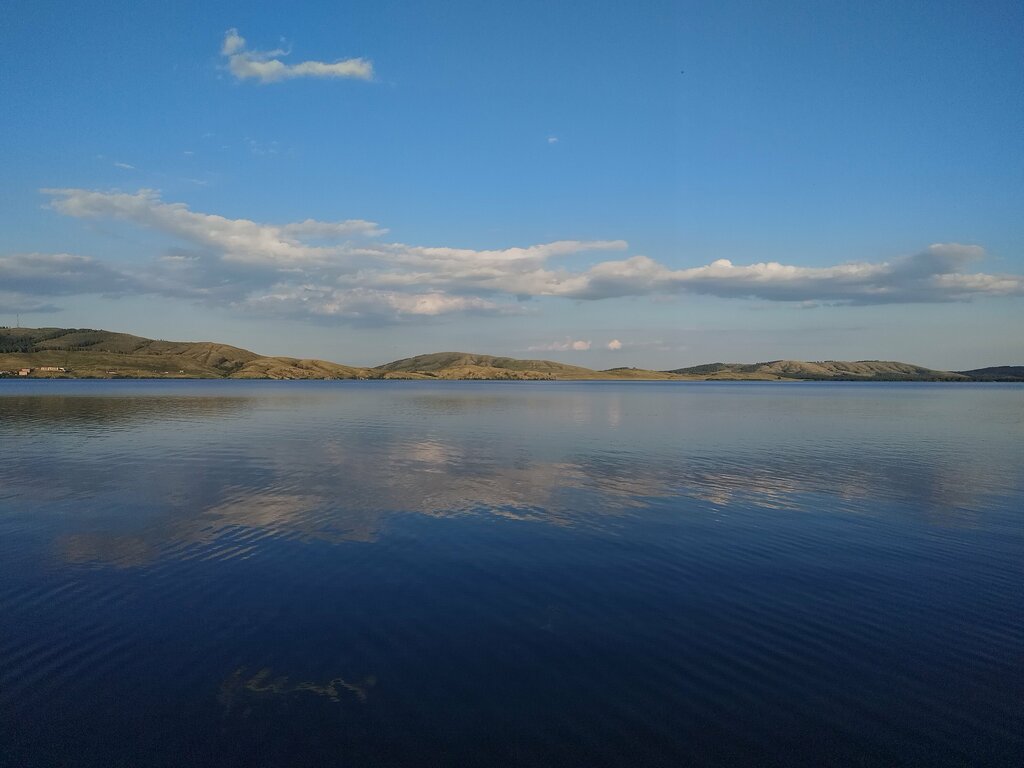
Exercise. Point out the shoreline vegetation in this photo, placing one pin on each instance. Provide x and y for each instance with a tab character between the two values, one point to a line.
83	353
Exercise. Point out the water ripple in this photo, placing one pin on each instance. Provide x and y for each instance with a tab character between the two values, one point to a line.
264	574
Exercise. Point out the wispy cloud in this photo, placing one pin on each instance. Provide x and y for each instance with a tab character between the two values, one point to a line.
29	280
566	345
124	166
366	304
13	302
343	270
552	139
60	274
267	67
262	148
234	239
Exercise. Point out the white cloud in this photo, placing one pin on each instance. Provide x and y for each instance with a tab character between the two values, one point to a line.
233	43
552	139
267	67
363	303
614	345
124	166
566	345
235	239
342	269
934	275
332	229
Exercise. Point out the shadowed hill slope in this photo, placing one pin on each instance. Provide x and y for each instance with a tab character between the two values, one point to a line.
996	373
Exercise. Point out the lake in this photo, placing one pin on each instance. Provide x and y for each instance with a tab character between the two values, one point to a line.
531	574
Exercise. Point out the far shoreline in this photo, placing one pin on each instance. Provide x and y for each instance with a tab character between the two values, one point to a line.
429	379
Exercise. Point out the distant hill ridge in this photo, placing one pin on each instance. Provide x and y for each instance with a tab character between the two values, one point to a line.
458	365
860	370
90	353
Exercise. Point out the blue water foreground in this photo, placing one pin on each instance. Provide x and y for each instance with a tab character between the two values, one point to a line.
511	573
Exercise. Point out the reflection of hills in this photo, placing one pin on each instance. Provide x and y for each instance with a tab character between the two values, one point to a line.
33	412
345	490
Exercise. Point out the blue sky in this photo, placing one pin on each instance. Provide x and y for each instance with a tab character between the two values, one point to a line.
650	184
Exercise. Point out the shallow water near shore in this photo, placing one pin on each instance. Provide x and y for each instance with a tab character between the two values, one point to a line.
521	573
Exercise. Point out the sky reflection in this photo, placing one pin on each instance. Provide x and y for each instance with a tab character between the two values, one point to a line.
187	475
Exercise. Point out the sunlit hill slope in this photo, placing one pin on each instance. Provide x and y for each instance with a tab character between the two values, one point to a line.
88	353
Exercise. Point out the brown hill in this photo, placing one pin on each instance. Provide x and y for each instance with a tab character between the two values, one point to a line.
824	370
88	353
459	365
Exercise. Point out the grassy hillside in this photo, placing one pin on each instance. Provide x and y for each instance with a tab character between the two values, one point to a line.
996	373
450	365
464	365
825	370
87	353
294	368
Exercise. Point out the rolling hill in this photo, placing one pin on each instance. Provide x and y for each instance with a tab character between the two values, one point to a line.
88	353
996	373
461	365
826	370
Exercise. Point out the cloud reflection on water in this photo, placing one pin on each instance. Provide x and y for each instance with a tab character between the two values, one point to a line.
154	478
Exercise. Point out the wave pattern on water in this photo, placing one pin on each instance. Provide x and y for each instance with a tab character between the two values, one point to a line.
528	574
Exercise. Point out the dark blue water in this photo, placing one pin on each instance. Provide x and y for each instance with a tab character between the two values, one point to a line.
417	573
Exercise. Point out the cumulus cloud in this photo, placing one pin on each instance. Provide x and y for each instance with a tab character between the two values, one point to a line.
566	345
321	268
934	275
267	67
614	345
344	270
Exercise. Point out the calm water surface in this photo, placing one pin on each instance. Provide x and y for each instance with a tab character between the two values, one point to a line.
417	573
